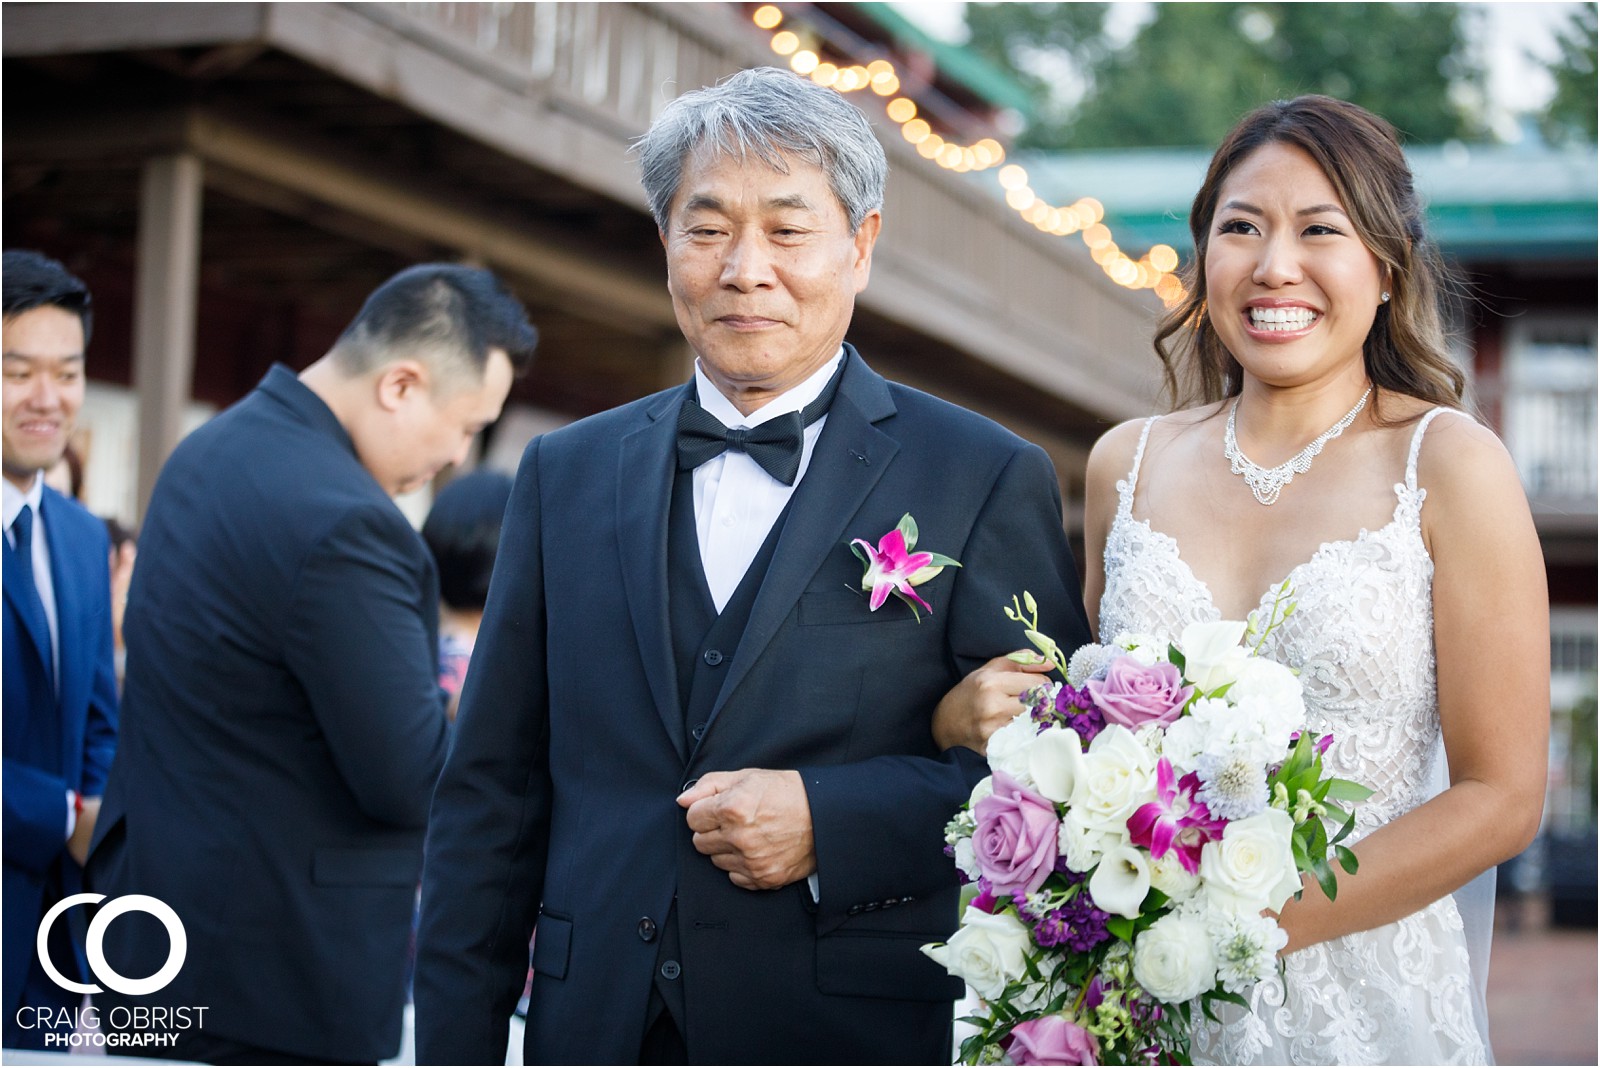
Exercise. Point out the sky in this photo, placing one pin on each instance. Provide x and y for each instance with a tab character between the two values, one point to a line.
1510	31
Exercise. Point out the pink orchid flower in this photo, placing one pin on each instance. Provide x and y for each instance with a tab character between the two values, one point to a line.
892	566
891	569
1176	820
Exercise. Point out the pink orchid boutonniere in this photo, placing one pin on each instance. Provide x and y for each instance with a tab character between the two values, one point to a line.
893	566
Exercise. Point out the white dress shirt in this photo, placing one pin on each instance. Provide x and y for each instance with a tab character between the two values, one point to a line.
735	500
14	500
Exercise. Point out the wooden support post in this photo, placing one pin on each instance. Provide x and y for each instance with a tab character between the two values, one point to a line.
166	296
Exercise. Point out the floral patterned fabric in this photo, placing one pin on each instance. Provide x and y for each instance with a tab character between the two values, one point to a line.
1362	637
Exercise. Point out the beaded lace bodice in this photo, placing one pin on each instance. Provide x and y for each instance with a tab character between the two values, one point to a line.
1361	636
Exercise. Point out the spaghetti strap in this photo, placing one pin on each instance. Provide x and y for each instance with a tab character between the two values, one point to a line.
1126	487
1416	446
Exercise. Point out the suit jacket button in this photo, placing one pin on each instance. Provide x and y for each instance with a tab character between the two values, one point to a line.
647	929
853	910
713	657
699	731
670	969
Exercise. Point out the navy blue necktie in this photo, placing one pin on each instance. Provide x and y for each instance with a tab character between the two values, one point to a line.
22	530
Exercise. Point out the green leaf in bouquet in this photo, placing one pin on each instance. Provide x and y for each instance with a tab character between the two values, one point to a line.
1345	790
1325	878
1175	655
908	529
1211	997
941	560
1316	838
1346	827
1302	859
1347	859
1120	927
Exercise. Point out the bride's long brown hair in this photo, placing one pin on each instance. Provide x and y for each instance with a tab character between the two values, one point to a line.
1406	350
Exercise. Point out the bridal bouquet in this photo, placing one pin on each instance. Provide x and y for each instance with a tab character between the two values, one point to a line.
1139	823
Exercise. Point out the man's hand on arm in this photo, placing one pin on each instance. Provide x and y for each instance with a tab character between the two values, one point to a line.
754	824
986	700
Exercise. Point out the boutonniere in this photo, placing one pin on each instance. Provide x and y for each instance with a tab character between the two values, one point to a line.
893	567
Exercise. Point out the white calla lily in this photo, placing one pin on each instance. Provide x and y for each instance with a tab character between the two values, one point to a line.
1121	881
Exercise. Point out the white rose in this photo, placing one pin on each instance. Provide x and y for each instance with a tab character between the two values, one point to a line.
987	952
1118	776
1212	654
1055	762
967	860
1008	747
1173	960
1253	862
1121	881
1083	846
1170	877
984	788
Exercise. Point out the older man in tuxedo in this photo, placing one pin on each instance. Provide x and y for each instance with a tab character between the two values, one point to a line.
59	683
694	754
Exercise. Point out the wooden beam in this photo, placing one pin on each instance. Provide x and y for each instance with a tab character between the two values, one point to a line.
58	29
615	293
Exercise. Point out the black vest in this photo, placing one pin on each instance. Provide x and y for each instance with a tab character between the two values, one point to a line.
703	646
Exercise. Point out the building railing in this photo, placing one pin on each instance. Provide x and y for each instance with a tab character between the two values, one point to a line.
1552	436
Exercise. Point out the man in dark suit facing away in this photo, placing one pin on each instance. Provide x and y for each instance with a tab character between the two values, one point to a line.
284	725
693	752
59	682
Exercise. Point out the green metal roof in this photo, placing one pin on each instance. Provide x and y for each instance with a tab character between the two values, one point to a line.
953	60
1512	202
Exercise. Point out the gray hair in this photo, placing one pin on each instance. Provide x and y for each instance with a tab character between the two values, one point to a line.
770	114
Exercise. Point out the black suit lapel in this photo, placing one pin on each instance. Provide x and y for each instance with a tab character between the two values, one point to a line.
850	457
646	465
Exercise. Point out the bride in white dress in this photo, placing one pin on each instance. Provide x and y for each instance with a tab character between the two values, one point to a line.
1311	340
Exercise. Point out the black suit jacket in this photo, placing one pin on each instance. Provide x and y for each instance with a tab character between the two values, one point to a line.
282	731
557	804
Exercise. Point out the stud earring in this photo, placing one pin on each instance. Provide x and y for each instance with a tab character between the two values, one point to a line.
1384	296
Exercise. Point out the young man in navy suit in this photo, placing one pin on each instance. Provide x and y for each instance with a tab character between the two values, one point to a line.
282	722
693	753
60	684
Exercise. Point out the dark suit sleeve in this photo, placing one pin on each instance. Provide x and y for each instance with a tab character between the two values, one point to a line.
360	646
879	824
489	832
35	816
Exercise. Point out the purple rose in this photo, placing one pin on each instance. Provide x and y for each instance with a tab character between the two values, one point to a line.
1051	1040
1015	840
1133	695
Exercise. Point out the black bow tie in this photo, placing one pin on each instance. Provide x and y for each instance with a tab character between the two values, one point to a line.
775	444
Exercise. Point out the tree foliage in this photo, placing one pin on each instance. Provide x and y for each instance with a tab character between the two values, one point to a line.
1571	114
1190	72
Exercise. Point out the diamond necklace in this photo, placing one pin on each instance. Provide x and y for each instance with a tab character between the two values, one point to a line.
1267	482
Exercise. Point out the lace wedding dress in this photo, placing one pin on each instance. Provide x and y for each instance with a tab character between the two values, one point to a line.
1362	637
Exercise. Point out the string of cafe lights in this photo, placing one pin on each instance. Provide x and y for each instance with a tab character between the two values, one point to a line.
1084	217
